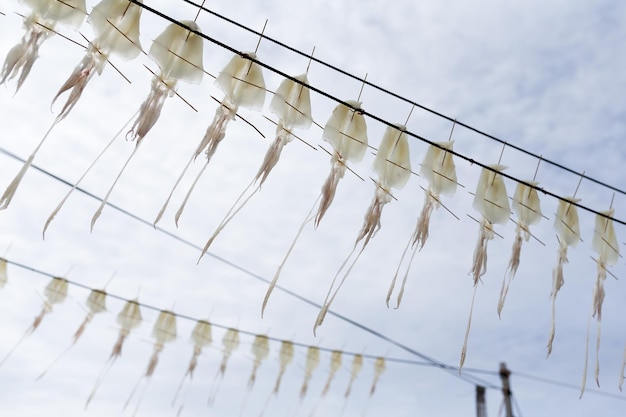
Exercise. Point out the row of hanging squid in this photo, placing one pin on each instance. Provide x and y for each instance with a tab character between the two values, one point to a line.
164	332
178	53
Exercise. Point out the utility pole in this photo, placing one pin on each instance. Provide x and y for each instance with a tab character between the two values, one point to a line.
481	406
506	389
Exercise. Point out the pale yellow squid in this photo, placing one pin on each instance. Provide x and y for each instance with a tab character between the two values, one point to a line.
129	318
492	202
178	52
292	104
393	166
200	337
567	230
528	209
163	332
346	131
310	365
243	85
54	293
439	170
607	247
4	277
40	24
230	343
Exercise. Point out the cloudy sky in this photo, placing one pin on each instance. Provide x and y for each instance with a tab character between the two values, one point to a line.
545	77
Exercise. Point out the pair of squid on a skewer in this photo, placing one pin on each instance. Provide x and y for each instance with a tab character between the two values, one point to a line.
116	27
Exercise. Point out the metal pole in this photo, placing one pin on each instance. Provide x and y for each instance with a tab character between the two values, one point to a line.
506	389
481	407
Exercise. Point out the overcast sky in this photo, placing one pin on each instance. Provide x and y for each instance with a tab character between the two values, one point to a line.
545	77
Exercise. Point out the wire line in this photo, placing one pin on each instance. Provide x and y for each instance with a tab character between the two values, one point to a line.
399	97
381	120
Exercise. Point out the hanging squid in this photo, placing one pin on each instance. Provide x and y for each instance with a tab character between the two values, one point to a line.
285	357
311	364
292	105
606	245
393	166
201	338
622	371
96	303
4	278
164	331
335	365
346	131
40	25
492	202
528	210
379	367
568	234
230	343
260	351
54	293
243	85
178	53
439	170
129	318
357	365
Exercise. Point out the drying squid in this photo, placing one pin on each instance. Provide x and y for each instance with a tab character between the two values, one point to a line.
285	358
568	234
178	53
201	338
292	105
606	245
243	85
40	25
357	365
129	318
230	343
260	351
96	303
528	209
346	131
54	293
492	202
393	166
163	332
4	278
311	364
439	170
335	365
379	367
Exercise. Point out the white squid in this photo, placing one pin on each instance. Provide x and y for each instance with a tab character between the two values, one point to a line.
129	318
310	365
230	343
492	202
439	170
393	166
178	53
54	293
380	366
346	131
285	357
243	85
528	209
355	369
200	337
96	303
567	230
335	365
4	278
163	332
292	105
40	24
606	245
